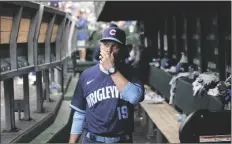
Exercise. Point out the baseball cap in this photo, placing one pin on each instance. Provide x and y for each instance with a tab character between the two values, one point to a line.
113	33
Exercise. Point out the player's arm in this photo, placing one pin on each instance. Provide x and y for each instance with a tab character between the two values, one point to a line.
77	126
132	91
78	104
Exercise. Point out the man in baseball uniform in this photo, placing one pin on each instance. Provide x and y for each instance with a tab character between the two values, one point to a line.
106	93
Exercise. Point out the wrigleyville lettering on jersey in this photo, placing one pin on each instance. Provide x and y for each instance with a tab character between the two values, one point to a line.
104	93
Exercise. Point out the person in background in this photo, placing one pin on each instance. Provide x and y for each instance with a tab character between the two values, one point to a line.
134	55
122	24
82	34
96	53
55	4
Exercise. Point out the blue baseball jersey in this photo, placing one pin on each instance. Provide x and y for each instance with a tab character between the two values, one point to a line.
107	114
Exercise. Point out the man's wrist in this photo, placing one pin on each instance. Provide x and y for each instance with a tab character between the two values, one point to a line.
114	73
112	70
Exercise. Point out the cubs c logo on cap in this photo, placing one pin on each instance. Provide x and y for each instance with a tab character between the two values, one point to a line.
112	32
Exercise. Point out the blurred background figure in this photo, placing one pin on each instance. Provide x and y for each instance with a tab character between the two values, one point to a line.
57	4
82	34
96	53
134	54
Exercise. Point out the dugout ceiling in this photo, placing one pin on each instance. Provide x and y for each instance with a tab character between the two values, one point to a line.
141	10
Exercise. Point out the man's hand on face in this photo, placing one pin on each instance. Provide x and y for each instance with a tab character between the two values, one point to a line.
107	59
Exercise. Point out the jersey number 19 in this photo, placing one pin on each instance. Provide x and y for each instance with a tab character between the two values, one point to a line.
122	112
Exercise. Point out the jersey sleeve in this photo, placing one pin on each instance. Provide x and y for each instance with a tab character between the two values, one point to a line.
78	102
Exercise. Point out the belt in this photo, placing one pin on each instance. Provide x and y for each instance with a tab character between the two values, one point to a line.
106	139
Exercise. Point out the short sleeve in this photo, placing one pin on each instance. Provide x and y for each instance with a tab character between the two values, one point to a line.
78	102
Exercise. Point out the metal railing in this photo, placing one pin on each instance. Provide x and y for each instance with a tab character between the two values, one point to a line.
33	38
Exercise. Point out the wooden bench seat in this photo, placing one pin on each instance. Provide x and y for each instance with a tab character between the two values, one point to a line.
5	29
43	32
24	28
6	26
54	32
165	117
